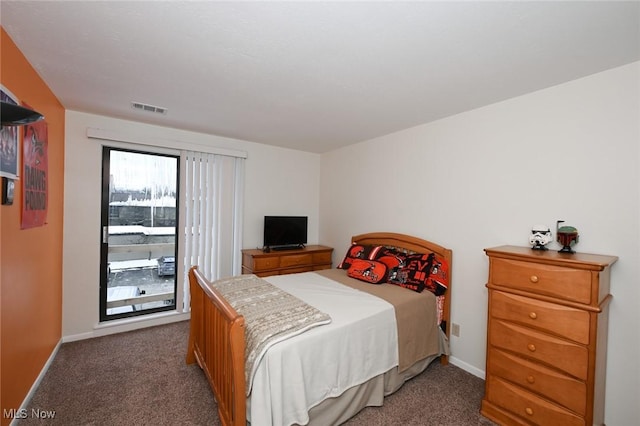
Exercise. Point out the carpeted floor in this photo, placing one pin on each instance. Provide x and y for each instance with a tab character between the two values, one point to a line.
140	378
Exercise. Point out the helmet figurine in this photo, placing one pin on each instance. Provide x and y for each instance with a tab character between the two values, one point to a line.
567	236
540	237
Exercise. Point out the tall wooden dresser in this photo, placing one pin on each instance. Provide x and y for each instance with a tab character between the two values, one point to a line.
546	337
263	264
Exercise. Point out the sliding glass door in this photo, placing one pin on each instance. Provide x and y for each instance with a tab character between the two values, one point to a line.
138	233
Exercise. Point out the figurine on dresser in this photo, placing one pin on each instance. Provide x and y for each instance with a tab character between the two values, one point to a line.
567	236
540	237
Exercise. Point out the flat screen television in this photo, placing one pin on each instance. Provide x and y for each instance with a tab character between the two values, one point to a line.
285	232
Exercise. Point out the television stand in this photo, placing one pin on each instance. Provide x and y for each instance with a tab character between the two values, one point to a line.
263	264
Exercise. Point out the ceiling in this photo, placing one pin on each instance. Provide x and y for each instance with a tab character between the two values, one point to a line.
312	76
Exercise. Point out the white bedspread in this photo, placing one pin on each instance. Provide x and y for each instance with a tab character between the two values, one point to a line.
299	373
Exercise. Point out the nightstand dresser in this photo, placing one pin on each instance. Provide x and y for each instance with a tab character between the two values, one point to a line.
263	264
546	337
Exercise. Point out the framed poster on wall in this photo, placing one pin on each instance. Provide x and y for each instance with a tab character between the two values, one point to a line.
9	142
35	175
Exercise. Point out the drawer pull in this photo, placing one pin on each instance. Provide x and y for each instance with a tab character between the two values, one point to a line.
533	315
531	347
531	379
529	411
533	278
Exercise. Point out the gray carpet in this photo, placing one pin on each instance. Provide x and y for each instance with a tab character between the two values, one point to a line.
140	378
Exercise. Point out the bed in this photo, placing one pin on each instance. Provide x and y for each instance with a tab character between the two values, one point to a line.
320	374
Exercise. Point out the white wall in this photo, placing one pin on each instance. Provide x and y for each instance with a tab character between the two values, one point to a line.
277	182
484	177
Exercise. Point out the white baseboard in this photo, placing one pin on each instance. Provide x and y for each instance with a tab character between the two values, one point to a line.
128	324
467	367
36	383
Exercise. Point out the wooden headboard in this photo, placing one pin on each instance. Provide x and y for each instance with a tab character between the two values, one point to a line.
402	241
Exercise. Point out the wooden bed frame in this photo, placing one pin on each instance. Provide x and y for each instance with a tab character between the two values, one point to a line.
216	338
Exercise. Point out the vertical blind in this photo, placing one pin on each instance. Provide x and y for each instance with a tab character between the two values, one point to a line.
212	215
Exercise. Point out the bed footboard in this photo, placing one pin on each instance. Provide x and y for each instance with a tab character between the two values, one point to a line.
216	343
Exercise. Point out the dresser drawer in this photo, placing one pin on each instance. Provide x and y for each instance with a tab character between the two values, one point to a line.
324	257
549	280
264	263
557	319
531	408
553	351
554	386
296	260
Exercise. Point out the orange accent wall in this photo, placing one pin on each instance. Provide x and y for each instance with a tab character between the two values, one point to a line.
31	259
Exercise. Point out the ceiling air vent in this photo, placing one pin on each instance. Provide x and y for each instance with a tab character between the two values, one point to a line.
149	108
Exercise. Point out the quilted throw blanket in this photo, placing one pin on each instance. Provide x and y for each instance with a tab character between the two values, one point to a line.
271	315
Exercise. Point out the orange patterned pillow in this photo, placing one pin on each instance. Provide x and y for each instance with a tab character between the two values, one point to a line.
414	273
439	278
368	270
359	251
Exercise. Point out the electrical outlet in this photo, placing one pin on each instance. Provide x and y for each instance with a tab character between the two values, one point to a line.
455	329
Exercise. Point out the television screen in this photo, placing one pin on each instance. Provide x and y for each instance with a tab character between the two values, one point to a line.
285	231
